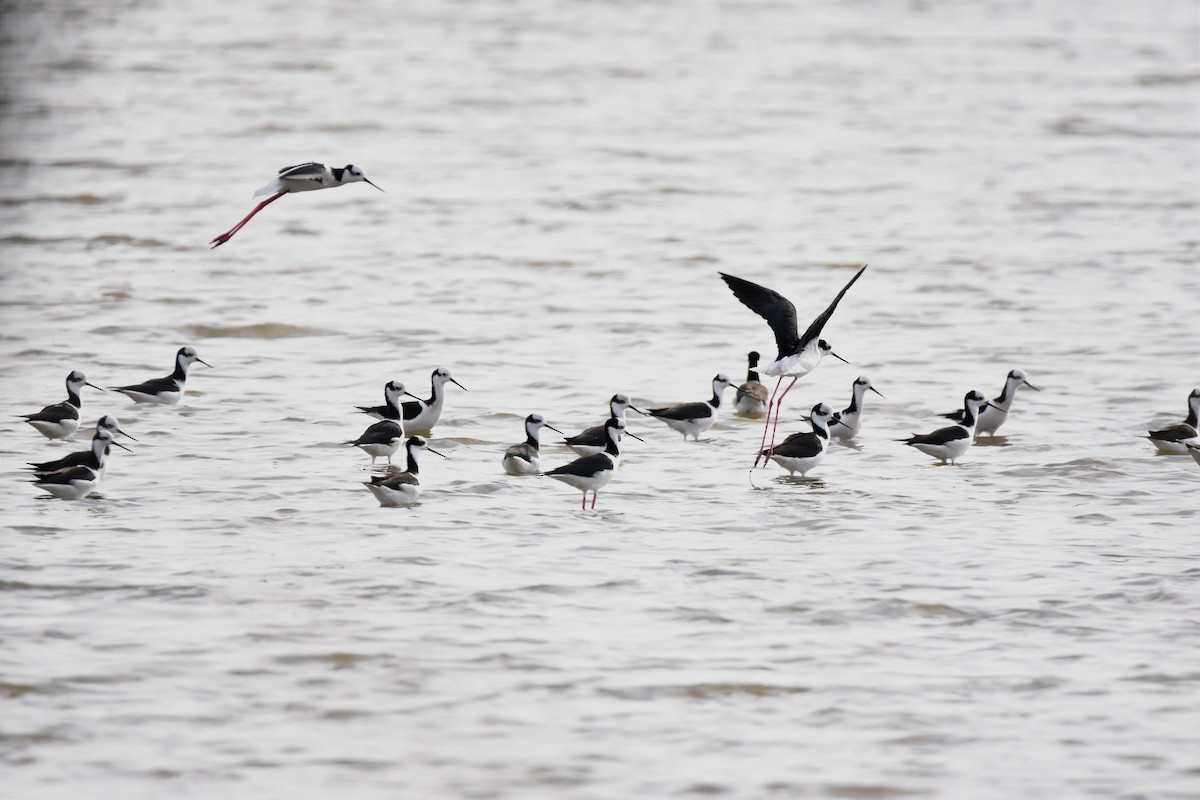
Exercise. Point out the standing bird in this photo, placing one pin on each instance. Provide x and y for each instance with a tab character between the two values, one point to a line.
951	442
392	390
800	452
382	438
74	483
693	419
421	415
164	391
92	457
402	488
751	399
594	439
996	412
300	178
61	420
592	473
1175	438
849	422
522	459
798	354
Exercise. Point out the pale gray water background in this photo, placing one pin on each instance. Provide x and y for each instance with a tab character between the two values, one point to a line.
236	617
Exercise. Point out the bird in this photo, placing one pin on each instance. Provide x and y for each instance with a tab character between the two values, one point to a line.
164	391
522	459
693	419
996	412
401	488
392	391
797	354
751	398
421	415
594	439
948	443
592	473
849	421
800	452
91	457
1174	439
299	178
61	420
74	483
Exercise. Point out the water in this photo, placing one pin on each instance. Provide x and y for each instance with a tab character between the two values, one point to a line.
236	615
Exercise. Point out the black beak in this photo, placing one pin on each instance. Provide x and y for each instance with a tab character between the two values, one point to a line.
94	386
459	385
430	449
367	181
839	358
634	435
123	433
1031	386
556	430
205	363
876	391
118	444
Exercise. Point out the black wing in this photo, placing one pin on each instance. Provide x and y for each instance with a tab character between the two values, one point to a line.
395	481
411	409
384	432
84	458
940	436
957	416
594	436
683	411
769	304
67	475
385	412
309	169
1175	433
154	386
798	445
55	413
584	467
814	330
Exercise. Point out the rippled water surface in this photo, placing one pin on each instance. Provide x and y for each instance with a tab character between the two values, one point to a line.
234	615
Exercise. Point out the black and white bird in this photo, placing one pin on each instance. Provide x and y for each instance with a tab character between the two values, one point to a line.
800	452
751	398
523	458
996	412
798	354
594	439
74	483
593	473
92	457
392	392
164	391
948	443
848	422
61	420
693	419
421	415
402	488
300	178
1175	438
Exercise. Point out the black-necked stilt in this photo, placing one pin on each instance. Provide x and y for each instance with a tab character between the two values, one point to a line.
61	420
693	419
164	391
300	178
592	473
92	457
594	439
392	392
401	489
849	422
73	483
948	443
1175	438
751	399
996	412
800	452
421	415
522	459
798	354
382	438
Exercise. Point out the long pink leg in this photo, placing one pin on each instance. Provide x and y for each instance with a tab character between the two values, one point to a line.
583	505
594	493
763	444
227	235
778	408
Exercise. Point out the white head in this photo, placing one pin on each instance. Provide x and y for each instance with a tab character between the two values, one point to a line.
819	416
862	384
441	376
394	390
1017	378
188	356
103	440
618	404
973	400
76	380
826	349
721	383
353	174
109	423
416	443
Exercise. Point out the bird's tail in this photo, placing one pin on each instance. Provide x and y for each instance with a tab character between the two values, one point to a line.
271	188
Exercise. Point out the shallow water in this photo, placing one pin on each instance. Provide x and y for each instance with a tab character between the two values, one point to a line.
234	613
